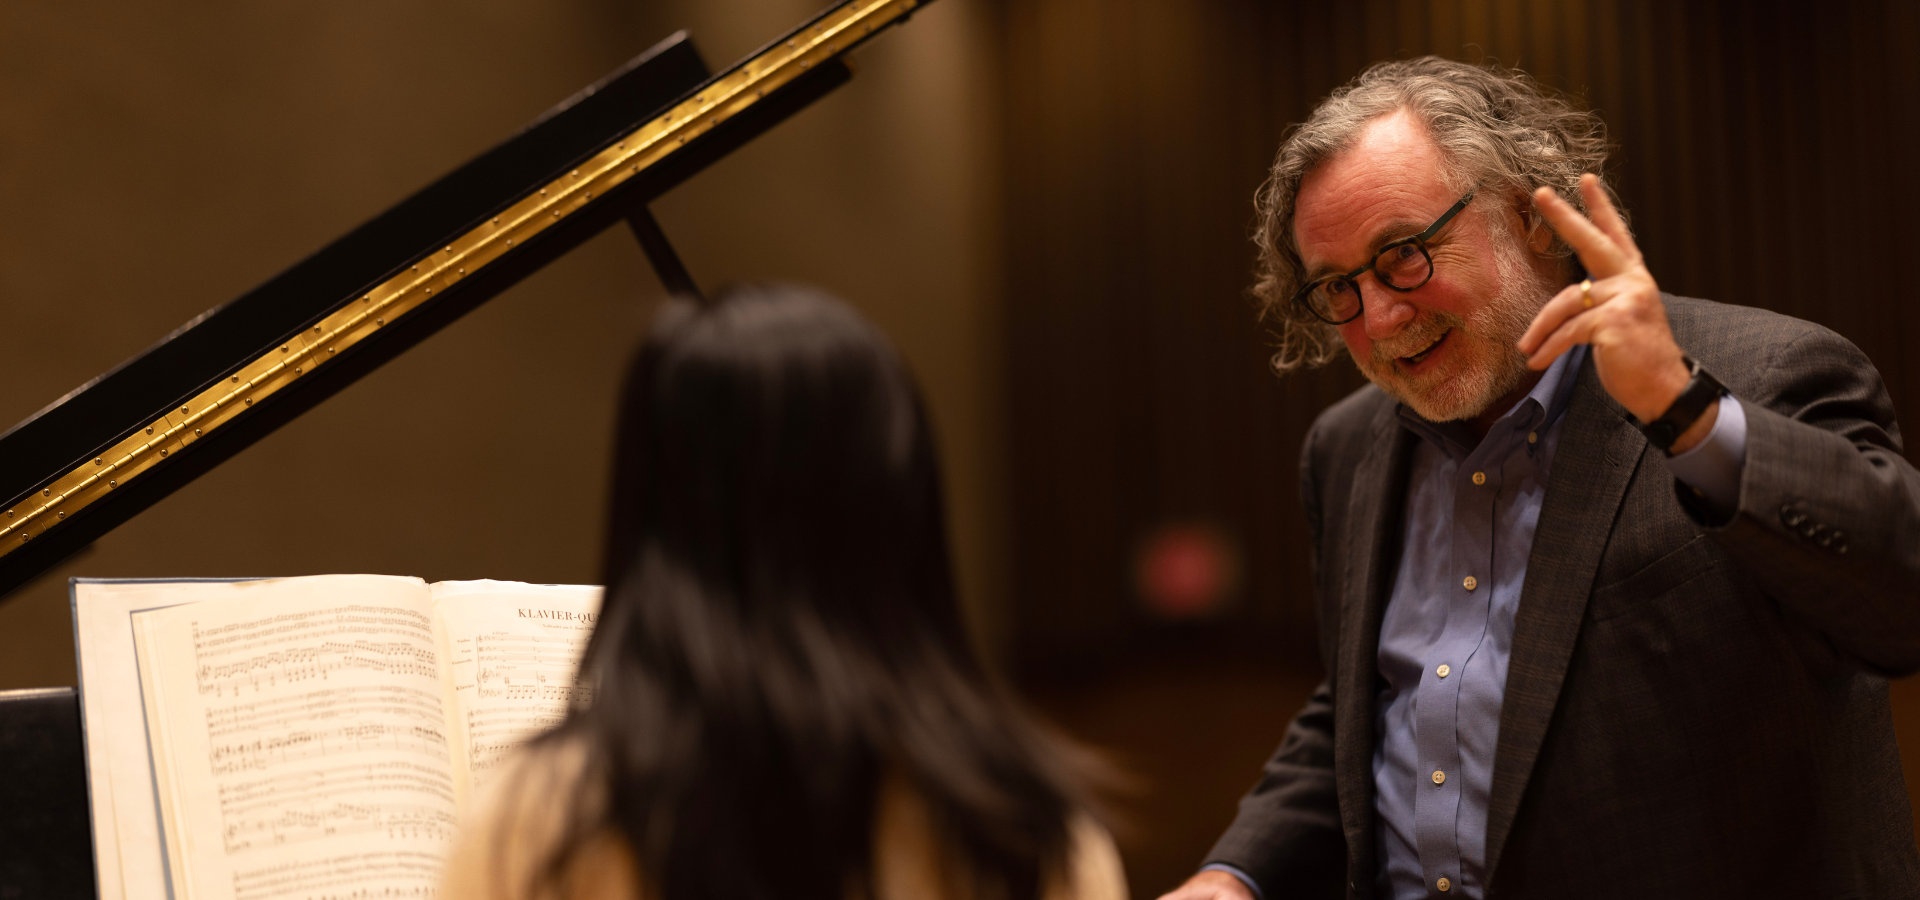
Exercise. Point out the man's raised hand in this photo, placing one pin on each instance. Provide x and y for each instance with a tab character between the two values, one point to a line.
1620	315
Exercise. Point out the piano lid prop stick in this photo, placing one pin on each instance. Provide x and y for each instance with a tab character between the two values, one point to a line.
666	264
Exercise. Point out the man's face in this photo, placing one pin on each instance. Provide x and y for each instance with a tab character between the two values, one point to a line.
1447	348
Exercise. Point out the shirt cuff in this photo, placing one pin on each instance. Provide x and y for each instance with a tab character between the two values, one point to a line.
1234	870
1712	467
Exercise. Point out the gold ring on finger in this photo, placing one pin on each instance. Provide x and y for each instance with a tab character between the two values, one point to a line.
1586	293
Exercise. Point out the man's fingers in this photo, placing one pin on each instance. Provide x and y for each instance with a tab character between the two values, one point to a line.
1560	308
1577	329
1598	252
1601	211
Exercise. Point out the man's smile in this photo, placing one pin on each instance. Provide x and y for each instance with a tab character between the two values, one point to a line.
1413	360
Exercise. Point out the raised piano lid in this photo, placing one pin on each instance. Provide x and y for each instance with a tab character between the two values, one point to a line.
130	437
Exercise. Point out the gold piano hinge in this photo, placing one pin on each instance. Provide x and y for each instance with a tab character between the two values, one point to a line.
727	97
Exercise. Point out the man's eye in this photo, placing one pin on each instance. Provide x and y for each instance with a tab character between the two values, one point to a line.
1334	288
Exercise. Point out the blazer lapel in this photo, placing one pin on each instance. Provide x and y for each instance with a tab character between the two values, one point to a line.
1597	453
1371	542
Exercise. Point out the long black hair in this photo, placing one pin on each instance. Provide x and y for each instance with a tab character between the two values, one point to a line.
780	627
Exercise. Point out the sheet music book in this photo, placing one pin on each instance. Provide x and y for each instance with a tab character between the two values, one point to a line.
274	739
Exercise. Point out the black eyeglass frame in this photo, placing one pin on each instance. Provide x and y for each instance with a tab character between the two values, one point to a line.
1417	240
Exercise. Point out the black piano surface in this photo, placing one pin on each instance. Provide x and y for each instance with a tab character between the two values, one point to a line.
46	849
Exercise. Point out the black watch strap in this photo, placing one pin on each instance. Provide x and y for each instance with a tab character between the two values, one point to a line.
1694	399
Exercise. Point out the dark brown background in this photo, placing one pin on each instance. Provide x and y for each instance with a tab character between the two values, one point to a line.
1045	202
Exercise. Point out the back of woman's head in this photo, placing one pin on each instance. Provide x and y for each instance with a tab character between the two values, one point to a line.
780	626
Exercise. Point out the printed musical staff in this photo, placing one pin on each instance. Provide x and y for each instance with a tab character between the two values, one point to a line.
314	707
386	875
290	648
297	744
397	799
492	731
259	734
527	667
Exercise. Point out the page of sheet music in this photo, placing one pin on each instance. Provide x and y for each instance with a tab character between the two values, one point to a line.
299	737
128	862
512	654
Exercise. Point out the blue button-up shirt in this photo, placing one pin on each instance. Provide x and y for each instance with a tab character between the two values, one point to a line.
1472	508
1470	517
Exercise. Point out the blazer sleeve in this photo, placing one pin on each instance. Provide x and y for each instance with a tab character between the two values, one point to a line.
1287	834
1828	522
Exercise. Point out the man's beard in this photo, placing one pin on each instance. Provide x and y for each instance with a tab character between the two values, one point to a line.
1486	364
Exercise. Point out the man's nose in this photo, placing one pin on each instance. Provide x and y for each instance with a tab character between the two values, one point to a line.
1386	312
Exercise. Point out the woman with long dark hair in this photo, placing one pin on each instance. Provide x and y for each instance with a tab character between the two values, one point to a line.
786	705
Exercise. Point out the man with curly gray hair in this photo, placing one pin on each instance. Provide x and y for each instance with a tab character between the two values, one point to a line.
1610	582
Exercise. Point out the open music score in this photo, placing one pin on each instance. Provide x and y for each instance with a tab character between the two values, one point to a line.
316	737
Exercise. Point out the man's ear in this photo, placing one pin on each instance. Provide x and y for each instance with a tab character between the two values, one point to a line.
1538	233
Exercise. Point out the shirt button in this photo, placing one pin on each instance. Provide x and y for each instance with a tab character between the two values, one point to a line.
1479	478
1443	884
1439	777
1470	582
1444	670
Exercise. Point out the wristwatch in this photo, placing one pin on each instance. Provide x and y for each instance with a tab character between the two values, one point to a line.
1694	399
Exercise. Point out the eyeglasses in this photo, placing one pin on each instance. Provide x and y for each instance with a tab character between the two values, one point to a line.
1402	264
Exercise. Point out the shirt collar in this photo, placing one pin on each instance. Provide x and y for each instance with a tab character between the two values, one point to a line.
1535	412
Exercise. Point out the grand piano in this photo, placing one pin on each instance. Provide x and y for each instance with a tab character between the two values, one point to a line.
125	440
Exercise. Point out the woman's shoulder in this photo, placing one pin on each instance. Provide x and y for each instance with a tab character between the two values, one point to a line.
1093	864
907	862
528	810
517	822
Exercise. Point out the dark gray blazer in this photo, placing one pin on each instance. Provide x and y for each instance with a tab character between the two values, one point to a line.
1693	708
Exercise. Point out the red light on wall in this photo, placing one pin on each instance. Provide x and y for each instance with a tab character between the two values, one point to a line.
1187	571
